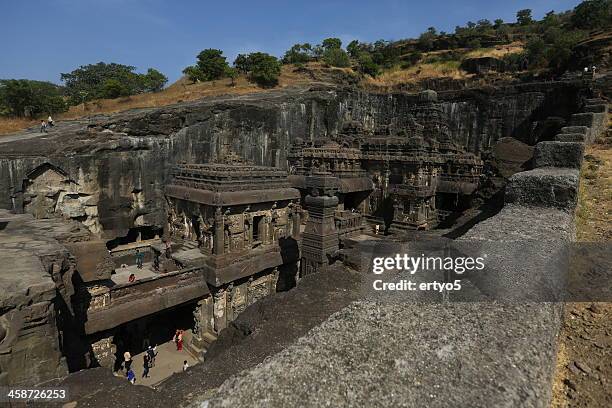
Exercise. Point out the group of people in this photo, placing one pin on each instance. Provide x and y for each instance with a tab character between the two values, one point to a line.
44	125
148	362
149	358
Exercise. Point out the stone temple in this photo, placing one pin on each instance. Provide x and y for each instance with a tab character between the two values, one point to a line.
229	201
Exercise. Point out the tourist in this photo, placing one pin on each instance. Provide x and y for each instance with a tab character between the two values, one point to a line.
185	365
151	354
50	121
179	341
139	258
145	366
127	358
131	278
43	126
131	377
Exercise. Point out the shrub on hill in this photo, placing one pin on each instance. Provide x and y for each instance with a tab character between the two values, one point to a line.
336	57
263	69
27	98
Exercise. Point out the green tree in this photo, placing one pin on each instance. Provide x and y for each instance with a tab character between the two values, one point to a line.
559	53
551	19
112	88
232	73
353	48
212	64
330	43
592	14
22	97
90	81
498	23
266	71
426	40
241	63
263	69
367	65
536	52
336	57
484	25
523	17
193	73
298	54
153	80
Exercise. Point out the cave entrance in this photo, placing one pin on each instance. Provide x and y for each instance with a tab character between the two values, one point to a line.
135	234
355	200
156	330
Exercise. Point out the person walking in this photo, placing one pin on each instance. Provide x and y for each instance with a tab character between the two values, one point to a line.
185	365
43	126
145	365
50	121
127	358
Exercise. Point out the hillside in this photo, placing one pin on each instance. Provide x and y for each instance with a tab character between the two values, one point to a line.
433	65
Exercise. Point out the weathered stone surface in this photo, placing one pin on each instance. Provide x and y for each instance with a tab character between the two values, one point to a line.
544	187
575	129
571	137
35	286
408	355
559	154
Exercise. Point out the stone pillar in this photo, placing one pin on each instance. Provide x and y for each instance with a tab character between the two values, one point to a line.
219	230
297	222
266	230
103	352
220	310
320	240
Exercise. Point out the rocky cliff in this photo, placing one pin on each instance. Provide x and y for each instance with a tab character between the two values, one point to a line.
111	170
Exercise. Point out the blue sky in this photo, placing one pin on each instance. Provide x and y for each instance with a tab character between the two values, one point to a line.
42	38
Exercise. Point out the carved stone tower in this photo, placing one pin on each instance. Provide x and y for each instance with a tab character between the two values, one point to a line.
320	239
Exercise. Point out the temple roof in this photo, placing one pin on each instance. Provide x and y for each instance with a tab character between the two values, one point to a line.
230	180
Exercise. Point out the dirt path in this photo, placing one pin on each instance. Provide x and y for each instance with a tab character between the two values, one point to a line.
583	376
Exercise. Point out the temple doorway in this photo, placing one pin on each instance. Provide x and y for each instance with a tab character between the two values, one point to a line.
154	330
257	224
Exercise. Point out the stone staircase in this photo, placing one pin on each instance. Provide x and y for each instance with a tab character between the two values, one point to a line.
198	348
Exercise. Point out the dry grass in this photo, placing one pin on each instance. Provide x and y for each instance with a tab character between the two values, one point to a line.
429	68
180	91
594	211
10	125
419	72
497	51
